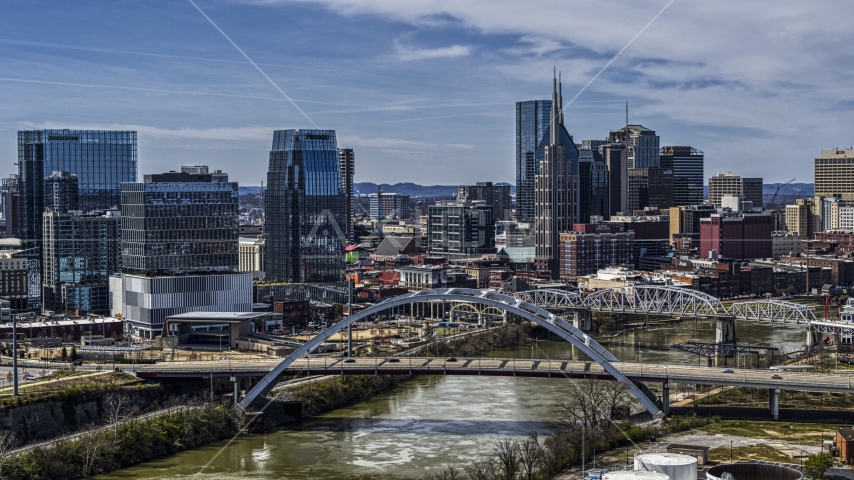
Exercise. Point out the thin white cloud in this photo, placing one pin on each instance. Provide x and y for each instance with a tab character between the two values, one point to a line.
408	53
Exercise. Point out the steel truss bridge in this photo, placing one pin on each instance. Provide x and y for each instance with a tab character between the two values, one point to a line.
683	302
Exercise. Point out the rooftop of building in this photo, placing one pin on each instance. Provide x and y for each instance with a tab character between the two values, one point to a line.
219	316
838	153
250	241
61	320
846	432
185	177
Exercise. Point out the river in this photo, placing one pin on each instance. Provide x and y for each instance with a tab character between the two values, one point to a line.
430	422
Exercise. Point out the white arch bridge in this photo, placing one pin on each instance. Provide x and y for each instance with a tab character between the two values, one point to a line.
484	298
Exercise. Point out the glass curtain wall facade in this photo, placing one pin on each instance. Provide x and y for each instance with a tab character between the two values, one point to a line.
532	122
179	228
80	254
61	192
687	166
347	164
460	229
642	143
593	189
100	159
305	208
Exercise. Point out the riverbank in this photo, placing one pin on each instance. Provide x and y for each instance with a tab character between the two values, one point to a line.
128	443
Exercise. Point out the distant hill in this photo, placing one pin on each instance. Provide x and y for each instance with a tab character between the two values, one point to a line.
792	190
241	190
415	190
800	189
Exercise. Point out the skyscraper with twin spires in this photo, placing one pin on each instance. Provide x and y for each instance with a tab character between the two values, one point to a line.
555	189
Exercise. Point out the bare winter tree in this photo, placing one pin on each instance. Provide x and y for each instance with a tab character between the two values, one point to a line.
118	408
530	456
507	453
92	447
8	442
594	402
450	473
487	469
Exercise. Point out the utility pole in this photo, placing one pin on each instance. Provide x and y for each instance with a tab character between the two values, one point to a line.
349	313
14	355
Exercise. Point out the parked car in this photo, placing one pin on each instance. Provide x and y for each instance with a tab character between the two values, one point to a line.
30	377
776	377
394	360
452	359
727	370
350	360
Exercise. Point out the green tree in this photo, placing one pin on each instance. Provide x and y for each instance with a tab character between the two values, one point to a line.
63	353
817	464
73	352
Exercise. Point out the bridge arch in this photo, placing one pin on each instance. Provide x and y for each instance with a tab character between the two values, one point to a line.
485	298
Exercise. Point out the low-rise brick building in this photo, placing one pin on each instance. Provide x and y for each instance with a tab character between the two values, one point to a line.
590	247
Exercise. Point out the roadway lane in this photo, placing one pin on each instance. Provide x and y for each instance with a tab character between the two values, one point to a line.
505	367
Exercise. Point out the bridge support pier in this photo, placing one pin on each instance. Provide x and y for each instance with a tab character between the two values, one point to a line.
582	320
774	402
665	399
812	338
236	381
724	333
725	330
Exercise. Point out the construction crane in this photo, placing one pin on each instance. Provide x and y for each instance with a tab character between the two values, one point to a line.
777	192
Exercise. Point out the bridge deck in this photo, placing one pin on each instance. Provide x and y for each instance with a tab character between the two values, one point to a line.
504	367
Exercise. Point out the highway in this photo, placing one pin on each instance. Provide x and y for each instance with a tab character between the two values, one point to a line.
800	381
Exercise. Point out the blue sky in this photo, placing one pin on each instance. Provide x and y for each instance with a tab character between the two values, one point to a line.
425	91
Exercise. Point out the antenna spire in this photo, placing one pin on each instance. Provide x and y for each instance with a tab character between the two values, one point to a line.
555	113
627	113
560	96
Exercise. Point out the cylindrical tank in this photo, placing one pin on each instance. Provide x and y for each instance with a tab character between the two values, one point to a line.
754	471
674	465
634	475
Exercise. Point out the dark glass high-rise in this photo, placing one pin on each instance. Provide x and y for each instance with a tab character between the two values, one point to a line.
101	160
532	122
305	208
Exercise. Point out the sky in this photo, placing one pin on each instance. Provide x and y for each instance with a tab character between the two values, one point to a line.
424	91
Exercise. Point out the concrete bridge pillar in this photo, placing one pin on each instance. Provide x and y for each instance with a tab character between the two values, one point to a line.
582	320
665	399
479	318
236	381
812	337
774	402
504	316
725	330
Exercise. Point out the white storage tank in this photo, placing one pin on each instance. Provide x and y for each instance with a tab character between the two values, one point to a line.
674	465
634	475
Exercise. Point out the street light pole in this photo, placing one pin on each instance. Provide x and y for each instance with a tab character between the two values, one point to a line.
14	355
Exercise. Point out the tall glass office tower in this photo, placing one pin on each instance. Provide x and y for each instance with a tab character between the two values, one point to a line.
305	208
100	159
532	122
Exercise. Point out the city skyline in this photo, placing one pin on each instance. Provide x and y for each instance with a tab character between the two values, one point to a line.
734	92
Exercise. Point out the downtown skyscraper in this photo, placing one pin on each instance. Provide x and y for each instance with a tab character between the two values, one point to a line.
305	208
556	190
101	160
532	122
